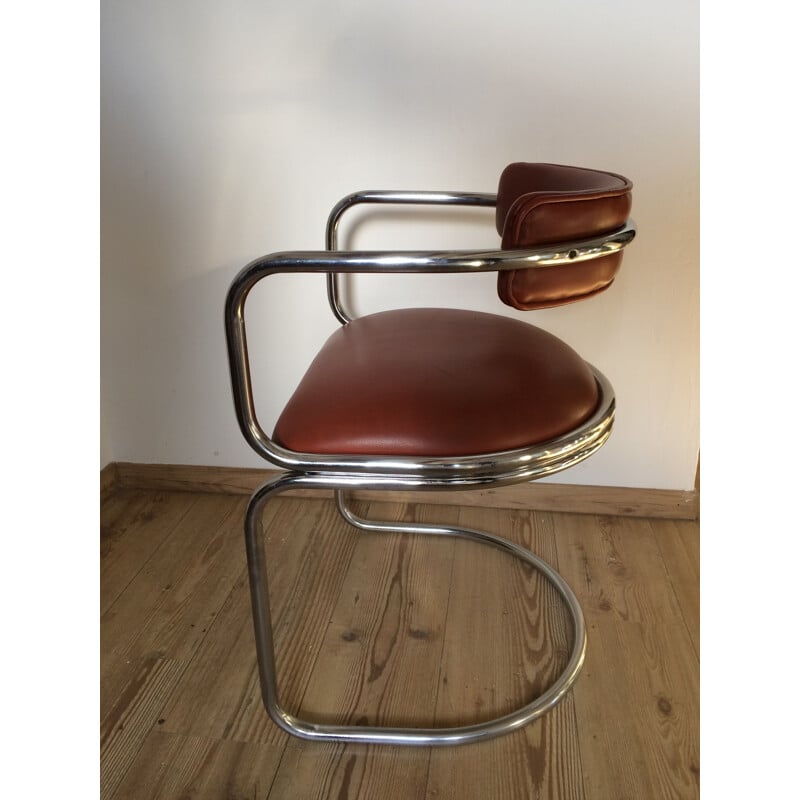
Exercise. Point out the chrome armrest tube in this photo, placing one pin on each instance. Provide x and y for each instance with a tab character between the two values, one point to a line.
508	466
389	197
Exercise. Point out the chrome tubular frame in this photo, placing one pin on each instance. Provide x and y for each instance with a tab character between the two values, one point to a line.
522	464
376	734
342	472
389	198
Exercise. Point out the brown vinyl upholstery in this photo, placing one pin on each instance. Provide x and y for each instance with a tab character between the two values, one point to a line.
437	382
539	204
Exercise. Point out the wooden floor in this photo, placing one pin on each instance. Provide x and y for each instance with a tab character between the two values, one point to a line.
393	629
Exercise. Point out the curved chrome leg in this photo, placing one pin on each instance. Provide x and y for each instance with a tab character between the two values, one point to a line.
386	735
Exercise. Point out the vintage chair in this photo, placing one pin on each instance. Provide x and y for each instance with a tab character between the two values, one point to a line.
442	398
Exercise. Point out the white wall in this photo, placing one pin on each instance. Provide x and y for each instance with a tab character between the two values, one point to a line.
229	129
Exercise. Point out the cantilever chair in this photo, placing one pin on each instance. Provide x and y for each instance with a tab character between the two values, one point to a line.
442	398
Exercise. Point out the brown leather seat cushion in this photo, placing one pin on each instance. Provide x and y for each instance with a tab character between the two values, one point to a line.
437	382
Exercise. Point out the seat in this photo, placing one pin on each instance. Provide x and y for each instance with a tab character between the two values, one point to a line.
442	398
403	383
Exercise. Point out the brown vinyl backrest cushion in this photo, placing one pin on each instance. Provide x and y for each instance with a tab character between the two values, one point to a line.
539	204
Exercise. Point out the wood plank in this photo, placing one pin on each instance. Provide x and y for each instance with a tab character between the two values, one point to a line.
379	662
118	511
508	636
308	548
638	711
321	771
142	622
220	685
171	766
634	502
615	567
381	655
180	616
143	532
679	543
640	683
189	608
135	711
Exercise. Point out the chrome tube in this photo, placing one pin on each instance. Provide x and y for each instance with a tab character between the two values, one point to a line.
509	466
514	465
344	472
377	734
391	198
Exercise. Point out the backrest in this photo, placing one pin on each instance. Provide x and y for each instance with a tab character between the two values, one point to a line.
539	204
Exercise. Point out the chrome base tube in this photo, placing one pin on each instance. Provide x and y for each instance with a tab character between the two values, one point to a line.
388	735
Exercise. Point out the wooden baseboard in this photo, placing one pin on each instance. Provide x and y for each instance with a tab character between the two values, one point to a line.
109	479
613	500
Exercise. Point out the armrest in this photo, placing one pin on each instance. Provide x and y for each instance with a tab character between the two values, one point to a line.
399	262
388	197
